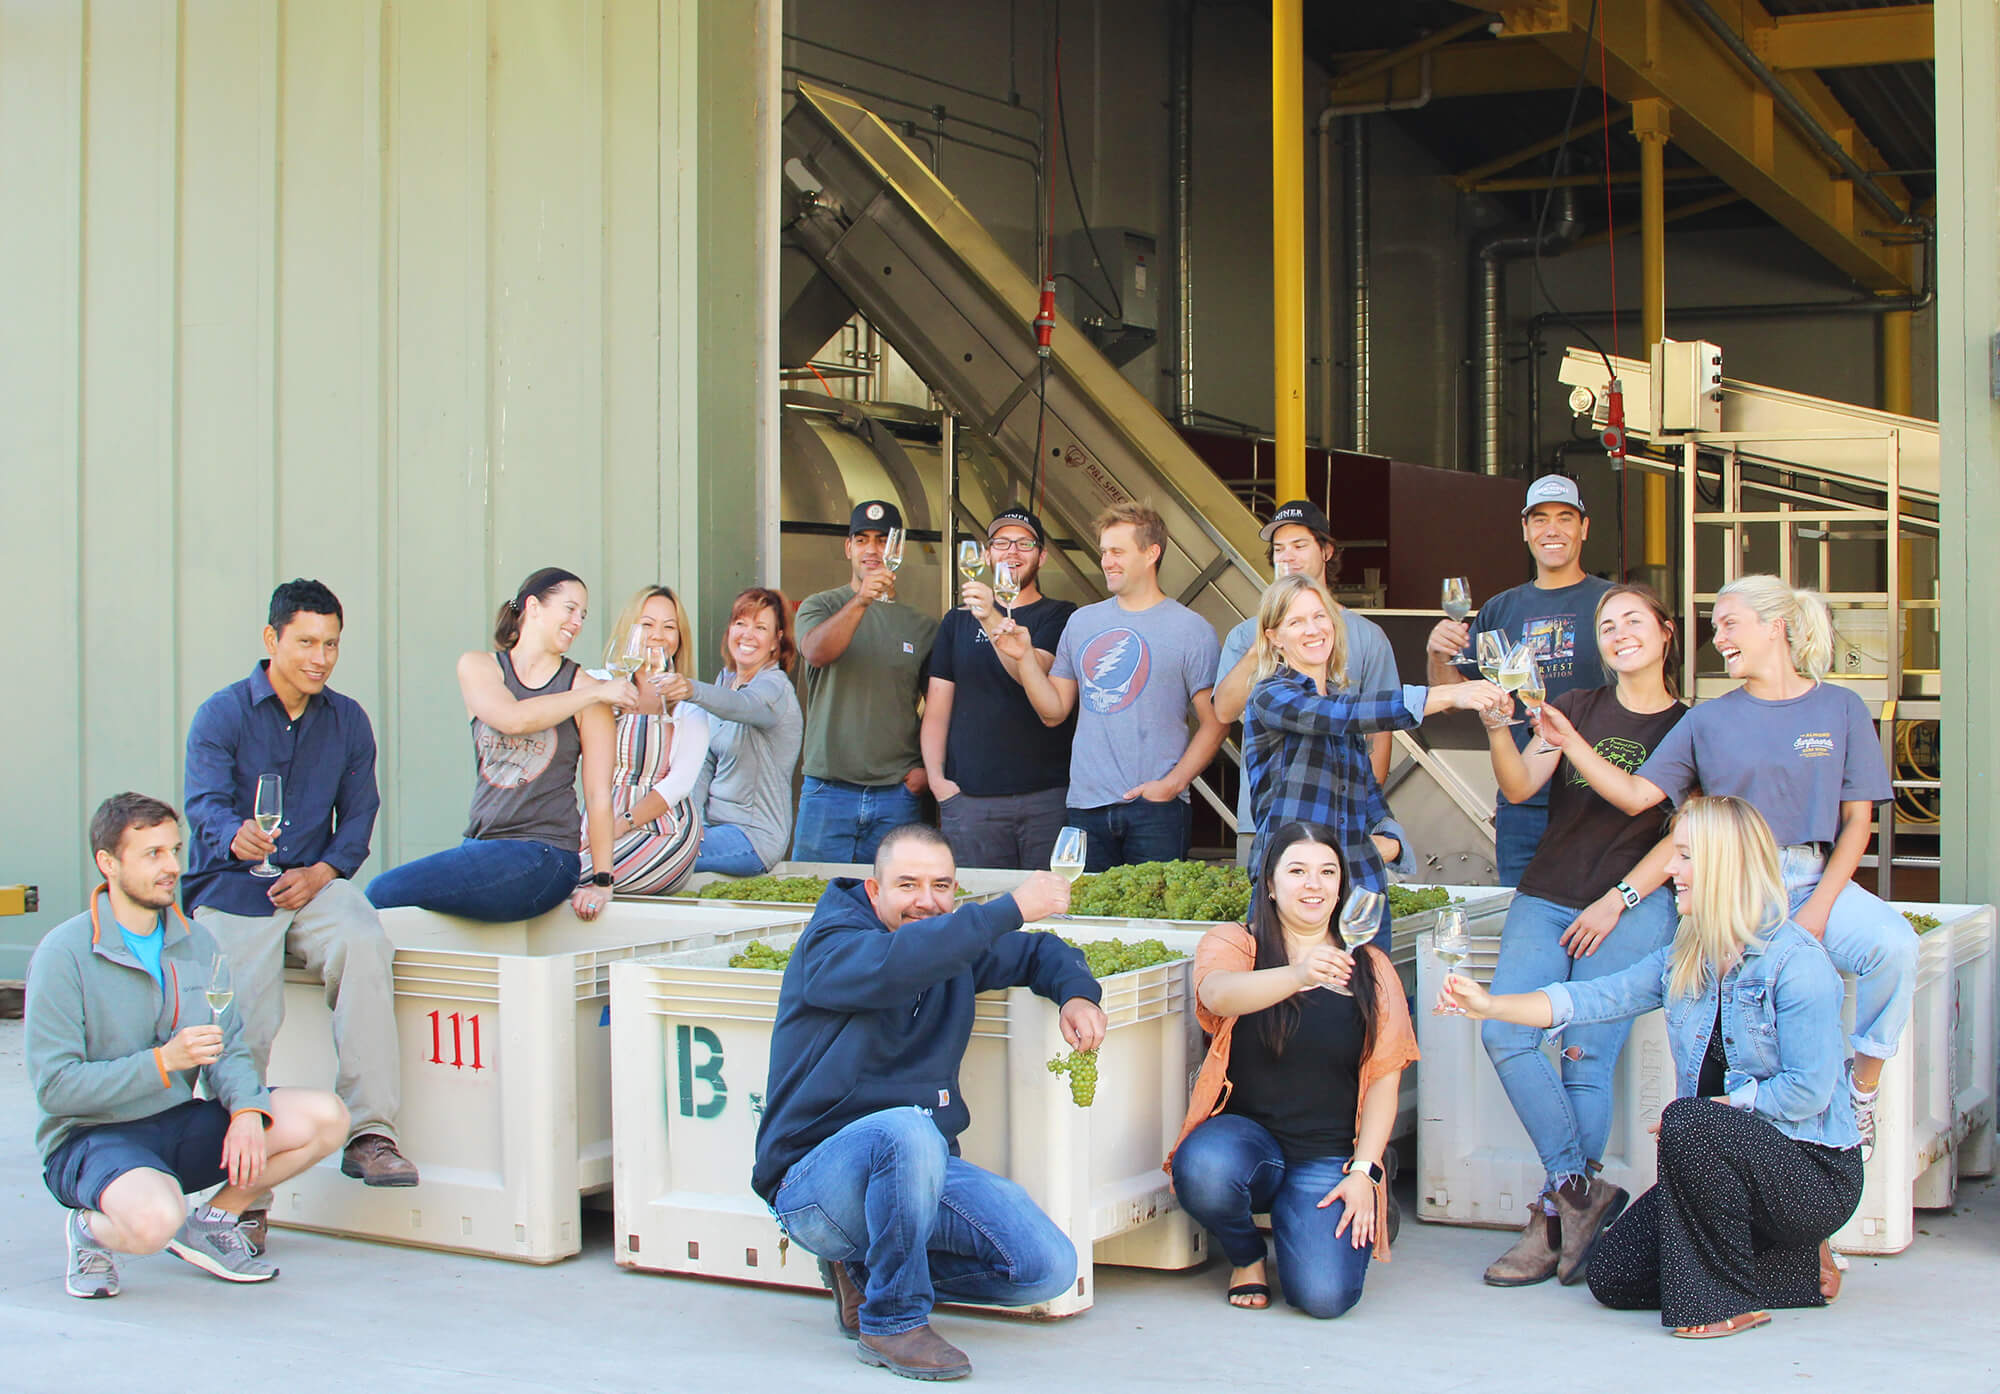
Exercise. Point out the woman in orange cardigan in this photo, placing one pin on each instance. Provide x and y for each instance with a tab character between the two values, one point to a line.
1292	1116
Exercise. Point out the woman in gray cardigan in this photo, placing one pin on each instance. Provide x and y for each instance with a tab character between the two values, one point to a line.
745	787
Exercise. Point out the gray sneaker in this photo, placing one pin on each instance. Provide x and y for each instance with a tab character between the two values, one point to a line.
92	1270
218	1247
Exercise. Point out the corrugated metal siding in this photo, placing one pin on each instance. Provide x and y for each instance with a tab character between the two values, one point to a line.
399	296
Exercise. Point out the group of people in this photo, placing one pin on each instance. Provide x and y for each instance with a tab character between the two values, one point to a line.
1021	720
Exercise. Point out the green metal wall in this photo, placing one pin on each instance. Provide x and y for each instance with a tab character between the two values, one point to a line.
412	298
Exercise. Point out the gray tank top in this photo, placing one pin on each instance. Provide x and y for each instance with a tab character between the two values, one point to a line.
525	786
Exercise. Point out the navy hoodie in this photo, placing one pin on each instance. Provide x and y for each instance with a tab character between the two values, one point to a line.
870	1018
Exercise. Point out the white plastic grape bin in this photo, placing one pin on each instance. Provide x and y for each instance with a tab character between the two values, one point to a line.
1477	1166
975	883
691	1040
506	1074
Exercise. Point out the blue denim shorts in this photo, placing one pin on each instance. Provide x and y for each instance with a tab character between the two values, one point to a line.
185	1142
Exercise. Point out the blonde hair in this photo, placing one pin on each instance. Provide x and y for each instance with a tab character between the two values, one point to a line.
1149	529
1738	894
1808	624
683	659
1271	612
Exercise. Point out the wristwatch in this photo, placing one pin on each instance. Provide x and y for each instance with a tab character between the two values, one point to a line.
1373	1171
602	880
1628	895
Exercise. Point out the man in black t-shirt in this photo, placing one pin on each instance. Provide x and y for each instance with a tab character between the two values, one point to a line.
1001	777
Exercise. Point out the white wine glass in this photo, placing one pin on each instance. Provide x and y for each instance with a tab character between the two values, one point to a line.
1006	586
221	989
1360	921
1452	945
269	811
971	560
655	668
1492	652
632	657
1533	691
1514	672
892	555
1456	602
1069	854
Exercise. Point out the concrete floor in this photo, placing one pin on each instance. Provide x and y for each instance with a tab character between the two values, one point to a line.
348	1315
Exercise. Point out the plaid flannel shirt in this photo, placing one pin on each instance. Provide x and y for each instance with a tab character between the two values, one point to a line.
1306	757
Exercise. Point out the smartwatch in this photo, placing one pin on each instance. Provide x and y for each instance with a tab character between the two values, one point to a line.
603	880
1628	895
1373	1171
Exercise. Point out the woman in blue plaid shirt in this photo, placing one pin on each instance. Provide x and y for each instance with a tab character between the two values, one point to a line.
1305	751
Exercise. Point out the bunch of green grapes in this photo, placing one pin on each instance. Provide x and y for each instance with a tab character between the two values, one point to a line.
1109	957
1081	1067
1408	900
1922	924
761	955
1202	891
792	890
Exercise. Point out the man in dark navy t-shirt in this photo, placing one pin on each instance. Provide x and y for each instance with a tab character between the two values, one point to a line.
1000	775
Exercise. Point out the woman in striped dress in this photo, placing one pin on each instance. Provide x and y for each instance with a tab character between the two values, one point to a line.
656	826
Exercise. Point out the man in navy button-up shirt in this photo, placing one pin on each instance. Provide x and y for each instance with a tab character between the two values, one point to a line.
283	719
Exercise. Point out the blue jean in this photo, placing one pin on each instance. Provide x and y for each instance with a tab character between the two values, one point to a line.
1517	832
1121	834
1229	1169
1567	1118
1869	938
726	849
842	822
495	879
916	1226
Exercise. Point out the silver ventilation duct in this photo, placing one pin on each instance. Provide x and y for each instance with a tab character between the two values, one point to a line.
1489	320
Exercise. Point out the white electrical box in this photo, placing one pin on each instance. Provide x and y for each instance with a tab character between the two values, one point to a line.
1687	386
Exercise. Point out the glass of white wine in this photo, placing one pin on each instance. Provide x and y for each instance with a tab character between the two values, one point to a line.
221	989
1006	586
1360	921
269	811
632	657
654	668
1070	853
1456	602
892	555
971	559
1514	672
1492	646
1533	692
1452	945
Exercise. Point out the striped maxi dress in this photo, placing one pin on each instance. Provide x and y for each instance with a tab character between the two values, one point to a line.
656	755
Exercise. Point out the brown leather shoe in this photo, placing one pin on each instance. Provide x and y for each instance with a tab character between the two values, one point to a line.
255	1227
1586	1209
919	1353
1535	1254
373	1160
846	1297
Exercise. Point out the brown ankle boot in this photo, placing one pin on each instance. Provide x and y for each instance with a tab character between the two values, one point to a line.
1535	1254
919	1353
1586	1207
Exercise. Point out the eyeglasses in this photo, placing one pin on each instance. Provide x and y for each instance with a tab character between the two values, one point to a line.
1012	544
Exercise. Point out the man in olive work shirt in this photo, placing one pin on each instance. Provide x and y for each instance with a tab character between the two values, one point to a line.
866	658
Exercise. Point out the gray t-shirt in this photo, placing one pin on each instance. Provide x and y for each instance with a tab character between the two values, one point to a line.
1136	672
1793	761
753	747
525	787
1371	667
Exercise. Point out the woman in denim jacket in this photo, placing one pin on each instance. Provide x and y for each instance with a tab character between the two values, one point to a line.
1759	1155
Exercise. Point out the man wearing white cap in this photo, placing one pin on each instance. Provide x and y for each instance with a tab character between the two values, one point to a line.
1558	610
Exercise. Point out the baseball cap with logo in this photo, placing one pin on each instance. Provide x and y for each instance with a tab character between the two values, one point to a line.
1553	488
1302	512
1020	518
874	515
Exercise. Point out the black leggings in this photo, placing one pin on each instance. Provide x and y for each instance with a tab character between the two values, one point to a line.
1734	1224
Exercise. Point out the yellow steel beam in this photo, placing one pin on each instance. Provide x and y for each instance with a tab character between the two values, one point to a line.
1652	123
1725	119
1580	181
1288	241
1672	215
1895	351
1478	69
1375	64
1469	179
1847	38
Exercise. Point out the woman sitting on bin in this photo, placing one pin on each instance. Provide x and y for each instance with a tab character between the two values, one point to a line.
1759	1155
1292	1113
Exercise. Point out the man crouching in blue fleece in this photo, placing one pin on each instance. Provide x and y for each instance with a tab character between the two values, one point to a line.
857	1154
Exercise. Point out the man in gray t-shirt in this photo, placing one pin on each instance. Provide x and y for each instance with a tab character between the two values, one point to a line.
1131	668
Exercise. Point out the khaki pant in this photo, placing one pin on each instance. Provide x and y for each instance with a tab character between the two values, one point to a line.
337	938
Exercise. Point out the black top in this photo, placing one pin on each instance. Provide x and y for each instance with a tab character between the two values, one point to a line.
1590	845
1306	1097
1713	1083
996	744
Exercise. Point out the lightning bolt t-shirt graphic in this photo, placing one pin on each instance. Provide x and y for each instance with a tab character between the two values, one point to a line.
1136	672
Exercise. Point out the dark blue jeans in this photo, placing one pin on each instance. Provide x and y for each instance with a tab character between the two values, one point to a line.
1123	833
725	848
915	1225
1230	1169
1517	832
498	880
841	822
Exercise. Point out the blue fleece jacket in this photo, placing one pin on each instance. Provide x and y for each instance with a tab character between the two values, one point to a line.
871	1018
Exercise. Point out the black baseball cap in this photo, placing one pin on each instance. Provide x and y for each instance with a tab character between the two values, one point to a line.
873	515
1303	512
1020	517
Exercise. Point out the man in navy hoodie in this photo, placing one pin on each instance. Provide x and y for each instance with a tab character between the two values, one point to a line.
857	1154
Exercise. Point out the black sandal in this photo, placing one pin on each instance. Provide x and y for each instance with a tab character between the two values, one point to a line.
1262	1290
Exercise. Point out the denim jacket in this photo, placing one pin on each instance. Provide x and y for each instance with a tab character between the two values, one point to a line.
1781	1006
